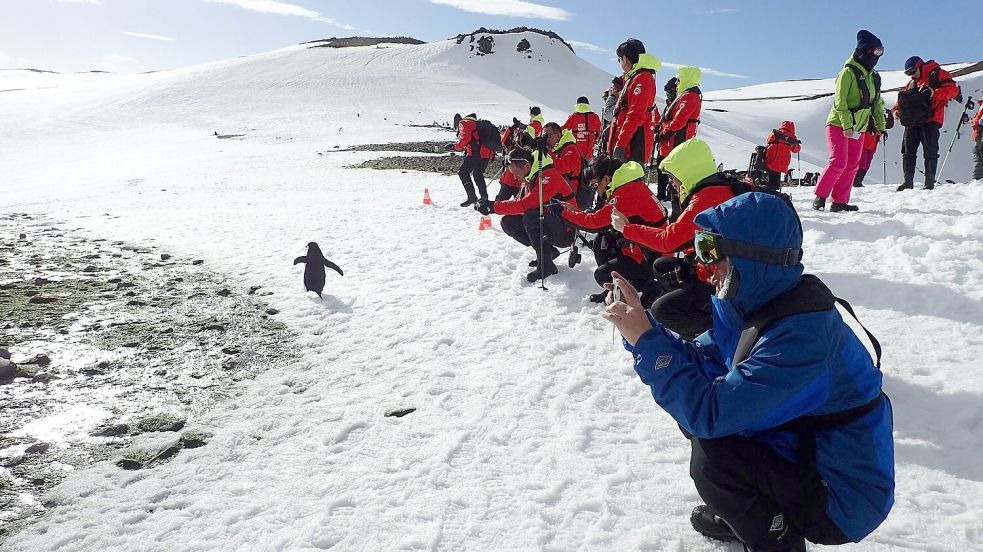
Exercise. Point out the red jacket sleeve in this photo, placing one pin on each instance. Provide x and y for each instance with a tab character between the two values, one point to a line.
796	145
688	107
947	90
464	130
598	220
553	184
678	235
568	161
641	97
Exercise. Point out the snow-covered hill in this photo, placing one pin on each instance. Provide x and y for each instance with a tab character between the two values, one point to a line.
531	431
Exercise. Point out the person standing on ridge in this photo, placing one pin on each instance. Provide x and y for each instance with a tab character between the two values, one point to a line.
921	109
791	433
782	143
856	102
631	136
585	126
978	144
476	159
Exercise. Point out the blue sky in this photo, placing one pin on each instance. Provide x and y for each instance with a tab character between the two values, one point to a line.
744	42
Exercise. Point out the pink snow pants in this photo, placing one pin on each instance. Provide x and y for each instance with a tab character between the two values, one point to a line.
844	157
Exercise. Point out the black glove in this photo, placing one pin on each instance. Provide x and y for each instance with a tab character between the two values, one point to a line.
619	153
554	208
485	206
449	147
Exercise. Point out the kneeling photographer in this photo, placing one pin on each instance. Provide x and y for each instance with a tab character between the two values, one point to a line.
685	306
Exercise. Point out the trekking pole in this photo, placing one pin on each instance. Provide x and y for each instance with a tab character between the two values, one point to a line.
963	118
539	186
798	166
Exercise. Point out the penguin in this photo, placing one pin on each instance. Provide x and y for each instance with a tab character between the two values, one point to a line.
314	271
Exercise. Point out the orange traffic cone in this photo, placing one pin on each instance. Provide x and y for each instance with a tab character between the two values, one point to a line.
485	222
426	197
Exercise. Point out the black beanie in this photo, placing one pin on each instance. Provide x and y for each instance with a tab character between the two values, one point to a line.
534	111
583	100
867	40
471	116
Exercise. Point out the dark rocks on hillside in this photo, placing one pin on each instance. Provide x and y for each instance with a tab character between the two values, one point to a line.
110	430
129	464
42	300
193	439
159	422
400	412
164	256
522	46
4	353
486	45
37	448
224	292
8	370
197	262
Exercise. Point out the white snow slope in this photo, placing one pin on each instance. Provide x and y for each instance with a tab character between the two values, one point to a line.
532	431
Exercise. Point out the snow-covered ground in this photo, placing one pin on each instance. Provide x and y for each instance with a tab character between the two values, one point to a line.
531	430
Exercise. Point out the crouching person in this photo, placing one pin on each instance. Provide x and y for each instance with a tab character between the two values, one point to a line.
791	434
521	220
622	184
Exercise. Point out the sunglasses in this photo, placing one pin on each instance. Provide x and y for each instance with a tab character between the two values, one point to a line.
712	248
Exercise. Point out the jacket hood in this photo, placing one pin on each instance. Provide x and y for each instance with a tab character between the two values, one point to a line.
582	108
537	163
688	78
566	137
646	61
759	219
927	67
690	162
788	127
852	60
629	172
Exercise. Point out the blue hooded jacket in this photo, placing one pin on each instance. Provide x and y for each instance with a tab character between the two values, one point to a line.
805	364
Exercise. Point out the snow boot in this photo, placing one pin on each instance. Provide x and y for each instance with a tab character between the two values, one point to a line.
842	207
548	271
471	200
904	187
858	181
554	254
711	525
819	203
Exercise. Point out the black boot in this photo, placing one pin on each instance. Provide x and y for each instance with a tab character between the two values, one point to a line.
711	525
819	203
471	200
908	168
553	254
930	168
858	181
841	207
549	270
903	187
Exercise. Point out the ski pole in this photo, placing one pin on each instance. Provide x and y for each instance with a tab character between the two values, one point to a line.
798	165
963	117
884	156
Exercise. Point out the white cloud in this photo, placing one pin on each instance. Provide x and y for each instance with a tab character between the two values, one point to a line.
282	8
587	46
718	11
148	36
117	63
706	71
512	8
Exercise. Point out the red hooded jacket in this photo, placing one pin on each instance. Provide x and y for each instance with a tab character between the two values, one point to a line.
633	113
944	88
678	235
586	127
635	201
569	162
554	185
681	119
781	145
976	124
467	130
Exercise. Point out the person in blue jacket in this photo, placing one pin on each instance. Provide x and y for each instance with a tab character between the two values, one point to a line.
791	434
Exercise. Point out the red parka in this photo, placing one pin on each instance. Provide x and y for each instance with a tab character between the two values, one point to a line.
678	235
633	111
634	200
586	127
939	80
781	145
467	131
554	185
680	121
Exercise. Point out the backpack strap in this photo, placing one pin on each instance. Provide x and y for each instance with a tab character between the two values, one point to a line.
870	336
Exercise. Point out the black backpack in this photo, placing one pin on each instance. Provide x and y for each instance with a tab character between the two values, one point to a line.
914	107
488	135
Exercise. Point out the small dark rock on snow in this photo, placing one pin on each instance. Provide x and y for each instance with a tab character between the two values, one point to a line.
37	448
160	422
400	412
164	256
41	300
129	464
224	292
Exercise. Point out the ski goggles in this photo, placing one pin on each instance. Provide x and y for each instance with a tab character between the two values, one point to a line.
712	248
878	52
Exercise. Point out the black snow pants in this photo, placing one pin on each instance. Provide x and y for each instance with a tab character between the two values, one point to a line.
474	167
525	230
927	136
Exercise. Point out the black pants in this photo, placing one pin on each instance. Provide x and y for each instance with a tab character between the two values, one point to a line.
761	495
663	189
639	275
637	147
978	158
474	167
507	192
928	137
525	230
774	180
